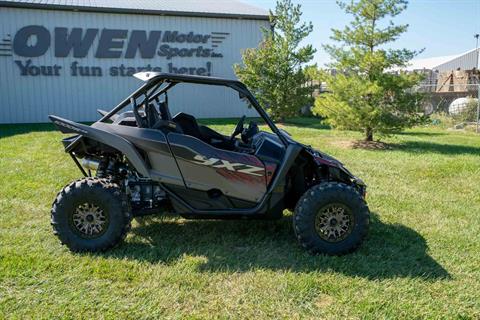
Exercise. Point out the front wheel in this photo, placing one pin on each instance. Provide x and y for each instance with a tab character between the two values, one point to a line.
331	218
91	214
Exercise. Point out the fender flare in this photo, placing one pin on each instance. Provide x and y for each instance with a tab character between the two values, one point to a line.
340	172
102	136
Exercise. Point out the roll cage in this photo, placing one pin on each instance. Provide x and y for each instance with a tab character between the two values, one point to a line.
157	83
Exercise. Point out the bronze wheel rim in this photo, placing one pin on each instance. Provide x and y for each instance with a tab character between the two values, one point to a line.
334	222
89	220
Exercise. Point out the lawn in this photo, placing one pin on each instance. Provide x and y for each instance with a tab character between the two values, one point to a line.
420	260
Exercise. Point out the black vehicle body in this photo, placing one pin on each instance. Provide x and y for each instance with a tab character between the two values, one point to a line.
160	160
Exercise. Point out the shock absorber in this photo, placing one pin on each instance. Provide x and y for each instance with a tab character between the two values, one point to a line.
102	168
111	168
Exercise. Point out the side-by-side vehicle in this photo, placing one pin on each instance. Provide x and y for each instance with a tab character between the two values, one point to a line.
146	161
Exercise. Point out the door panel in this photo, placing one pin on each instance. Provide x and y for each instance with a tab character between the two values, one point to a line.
204	167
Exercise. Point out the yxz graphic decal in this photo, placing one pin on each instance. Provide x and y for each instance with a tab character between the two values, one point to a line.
235	166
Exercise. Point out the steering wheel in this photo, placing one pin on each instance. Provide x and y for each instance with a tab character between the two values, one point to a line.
238	128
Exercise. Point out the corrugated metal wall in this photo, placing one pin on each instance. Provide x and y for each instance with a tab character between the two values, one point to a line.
467	61
27	99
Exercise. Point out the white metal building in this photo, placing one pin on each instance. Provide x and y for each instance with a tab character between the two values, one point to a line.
70	57
465	61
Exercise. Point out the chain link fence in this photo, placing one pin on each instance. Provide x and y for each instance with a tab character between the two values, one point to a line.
459	102
451	96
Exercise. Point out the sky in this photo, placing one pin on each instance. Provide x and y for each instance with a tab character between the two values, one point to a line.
441	27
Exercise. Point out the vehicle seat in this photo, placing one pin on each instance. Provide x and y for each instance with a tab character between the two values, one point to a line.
164	111
188	124
152	115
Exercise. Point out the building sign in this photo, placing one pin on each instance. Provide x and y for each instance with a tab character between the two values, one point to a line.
35	41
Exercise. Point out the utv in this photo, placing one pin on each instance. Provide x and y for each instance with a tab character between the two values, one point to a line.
145	161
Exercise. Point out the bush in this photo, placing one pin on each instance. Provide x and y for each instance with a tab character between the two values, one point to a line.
442	120
469	114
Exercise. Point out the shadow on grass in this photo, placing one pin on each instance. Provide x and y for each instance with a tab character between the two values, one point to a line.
418	147
389	251
312	123
430	147
421	133
8	130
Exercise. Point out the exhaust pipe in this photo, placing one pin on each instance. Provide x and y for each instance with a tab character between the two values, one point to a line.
90	164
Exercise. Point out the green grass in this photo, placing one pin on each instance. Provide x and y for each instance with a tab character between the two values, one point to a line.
420	260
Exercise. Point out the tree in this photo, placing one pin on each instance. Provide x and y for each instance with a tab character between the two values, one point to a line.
274	70
365	93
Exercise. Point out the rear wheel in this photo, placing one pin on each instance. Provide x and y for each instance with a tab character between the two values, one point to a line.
91	215
331	218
